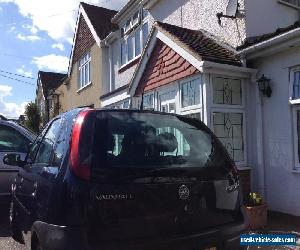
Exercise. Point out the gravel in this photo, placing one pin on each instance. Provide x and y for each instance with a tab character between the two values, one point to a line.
6	242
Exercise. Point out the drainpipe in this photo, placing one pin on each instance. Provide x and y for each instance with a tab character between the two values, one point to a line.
260	143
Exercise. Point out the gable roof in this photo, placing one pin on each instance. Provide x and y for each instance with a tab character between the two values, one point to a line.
50	81
250	41
196	47
200	44
100	18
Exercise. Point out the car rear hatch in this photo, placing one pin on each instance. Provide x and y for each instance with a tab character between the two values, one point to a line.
145	184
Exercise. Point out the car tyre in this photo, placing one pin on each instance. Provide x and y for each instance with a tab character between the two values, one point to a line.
15	231
35	243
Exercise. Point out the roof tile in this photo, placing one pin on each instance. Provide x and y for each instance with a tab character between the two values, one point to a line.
50	80
101	19
201	44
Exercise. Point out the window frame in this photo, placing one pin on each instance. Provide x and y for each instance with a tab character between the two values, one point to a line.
227	106
191	107
295	139
81	69
131	33
291	85
43	134
153	100
243	112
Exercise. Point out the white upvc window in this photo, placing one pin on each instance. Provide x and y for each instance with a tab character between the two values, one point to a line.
148	101
135	34
295	86
228	116
190	93
295	101
84	70
291	3
296	130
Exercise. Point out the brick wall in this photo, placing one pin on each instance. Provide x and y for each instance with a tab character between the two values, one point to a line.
84	40
164	66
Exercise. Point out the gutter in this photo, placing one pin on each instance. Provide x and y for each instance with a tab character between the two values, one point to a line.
270	42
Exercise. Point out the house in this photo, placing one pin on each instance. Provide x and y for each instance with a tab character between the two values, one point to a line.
47	96
86	73
203	59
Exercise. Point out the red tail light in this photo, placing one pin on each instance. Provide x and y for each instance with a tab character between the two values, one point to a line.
79	153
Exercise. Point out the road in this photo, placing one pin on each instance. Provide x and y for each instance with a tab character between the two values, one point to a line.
6	242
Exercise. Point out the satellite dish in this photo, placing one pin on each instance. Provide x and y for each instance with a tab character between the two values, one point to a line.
232	8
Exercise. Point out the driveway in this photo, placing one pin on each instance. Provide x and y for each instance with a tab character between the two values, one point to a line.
277	222
6	242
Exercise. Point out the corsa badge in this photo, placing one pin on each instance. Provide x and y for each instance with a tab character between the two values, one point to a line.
183	192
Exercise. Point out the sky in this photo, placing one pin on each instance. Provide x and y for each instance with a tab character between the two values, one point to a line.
35	35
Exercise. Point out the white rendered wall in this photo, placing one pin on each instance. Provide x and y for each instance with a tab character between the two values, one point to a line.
282	184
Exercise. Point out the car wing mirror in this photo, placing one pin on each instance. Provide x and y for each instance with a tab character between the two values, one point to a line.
13	160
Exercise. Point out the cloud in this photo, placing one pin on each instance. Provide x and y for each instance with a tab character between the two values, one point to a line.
10	109
22	71
11	29
57	17
28	38
59	46
52	62
31	28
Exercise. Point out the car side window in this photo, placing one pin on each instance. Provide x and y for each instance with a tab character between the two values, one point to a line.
35	146
61	145
46	146
12	140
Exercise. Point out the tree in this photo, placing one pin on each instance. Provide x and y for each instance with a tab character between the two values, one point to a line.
33	118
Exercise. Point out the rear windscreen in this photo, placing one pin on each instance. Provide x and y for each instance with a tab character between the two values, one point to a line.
136	139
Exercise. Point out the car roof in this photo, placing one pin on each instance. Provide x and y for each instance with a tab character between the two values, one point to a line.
24	131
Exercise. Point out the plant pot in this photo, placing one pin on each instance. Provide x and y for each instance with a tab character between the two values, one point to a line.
257	216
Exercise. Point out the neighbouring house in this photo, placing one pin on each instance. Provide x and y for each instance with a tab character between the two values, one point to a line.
47	96
204	59
82	88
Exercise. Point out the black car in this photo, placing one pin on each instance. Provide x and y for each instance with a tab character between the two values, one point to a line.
126	179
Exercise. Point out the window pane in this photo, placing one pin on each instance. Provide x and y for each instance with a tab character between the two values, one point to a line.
152	141
61	147
46	146
145	33
190	93
228	127
296	85
123	52
298	132
145	13
12	140
227	91
130	48
148	101
137	41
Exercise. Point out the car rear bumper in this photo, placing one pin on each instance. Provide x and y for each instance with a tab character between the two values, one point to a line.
61	237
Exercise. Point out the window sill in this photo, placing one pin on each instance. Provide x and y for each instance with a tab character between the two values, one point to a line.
129	64
289	4
296	171
293	102
84	87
